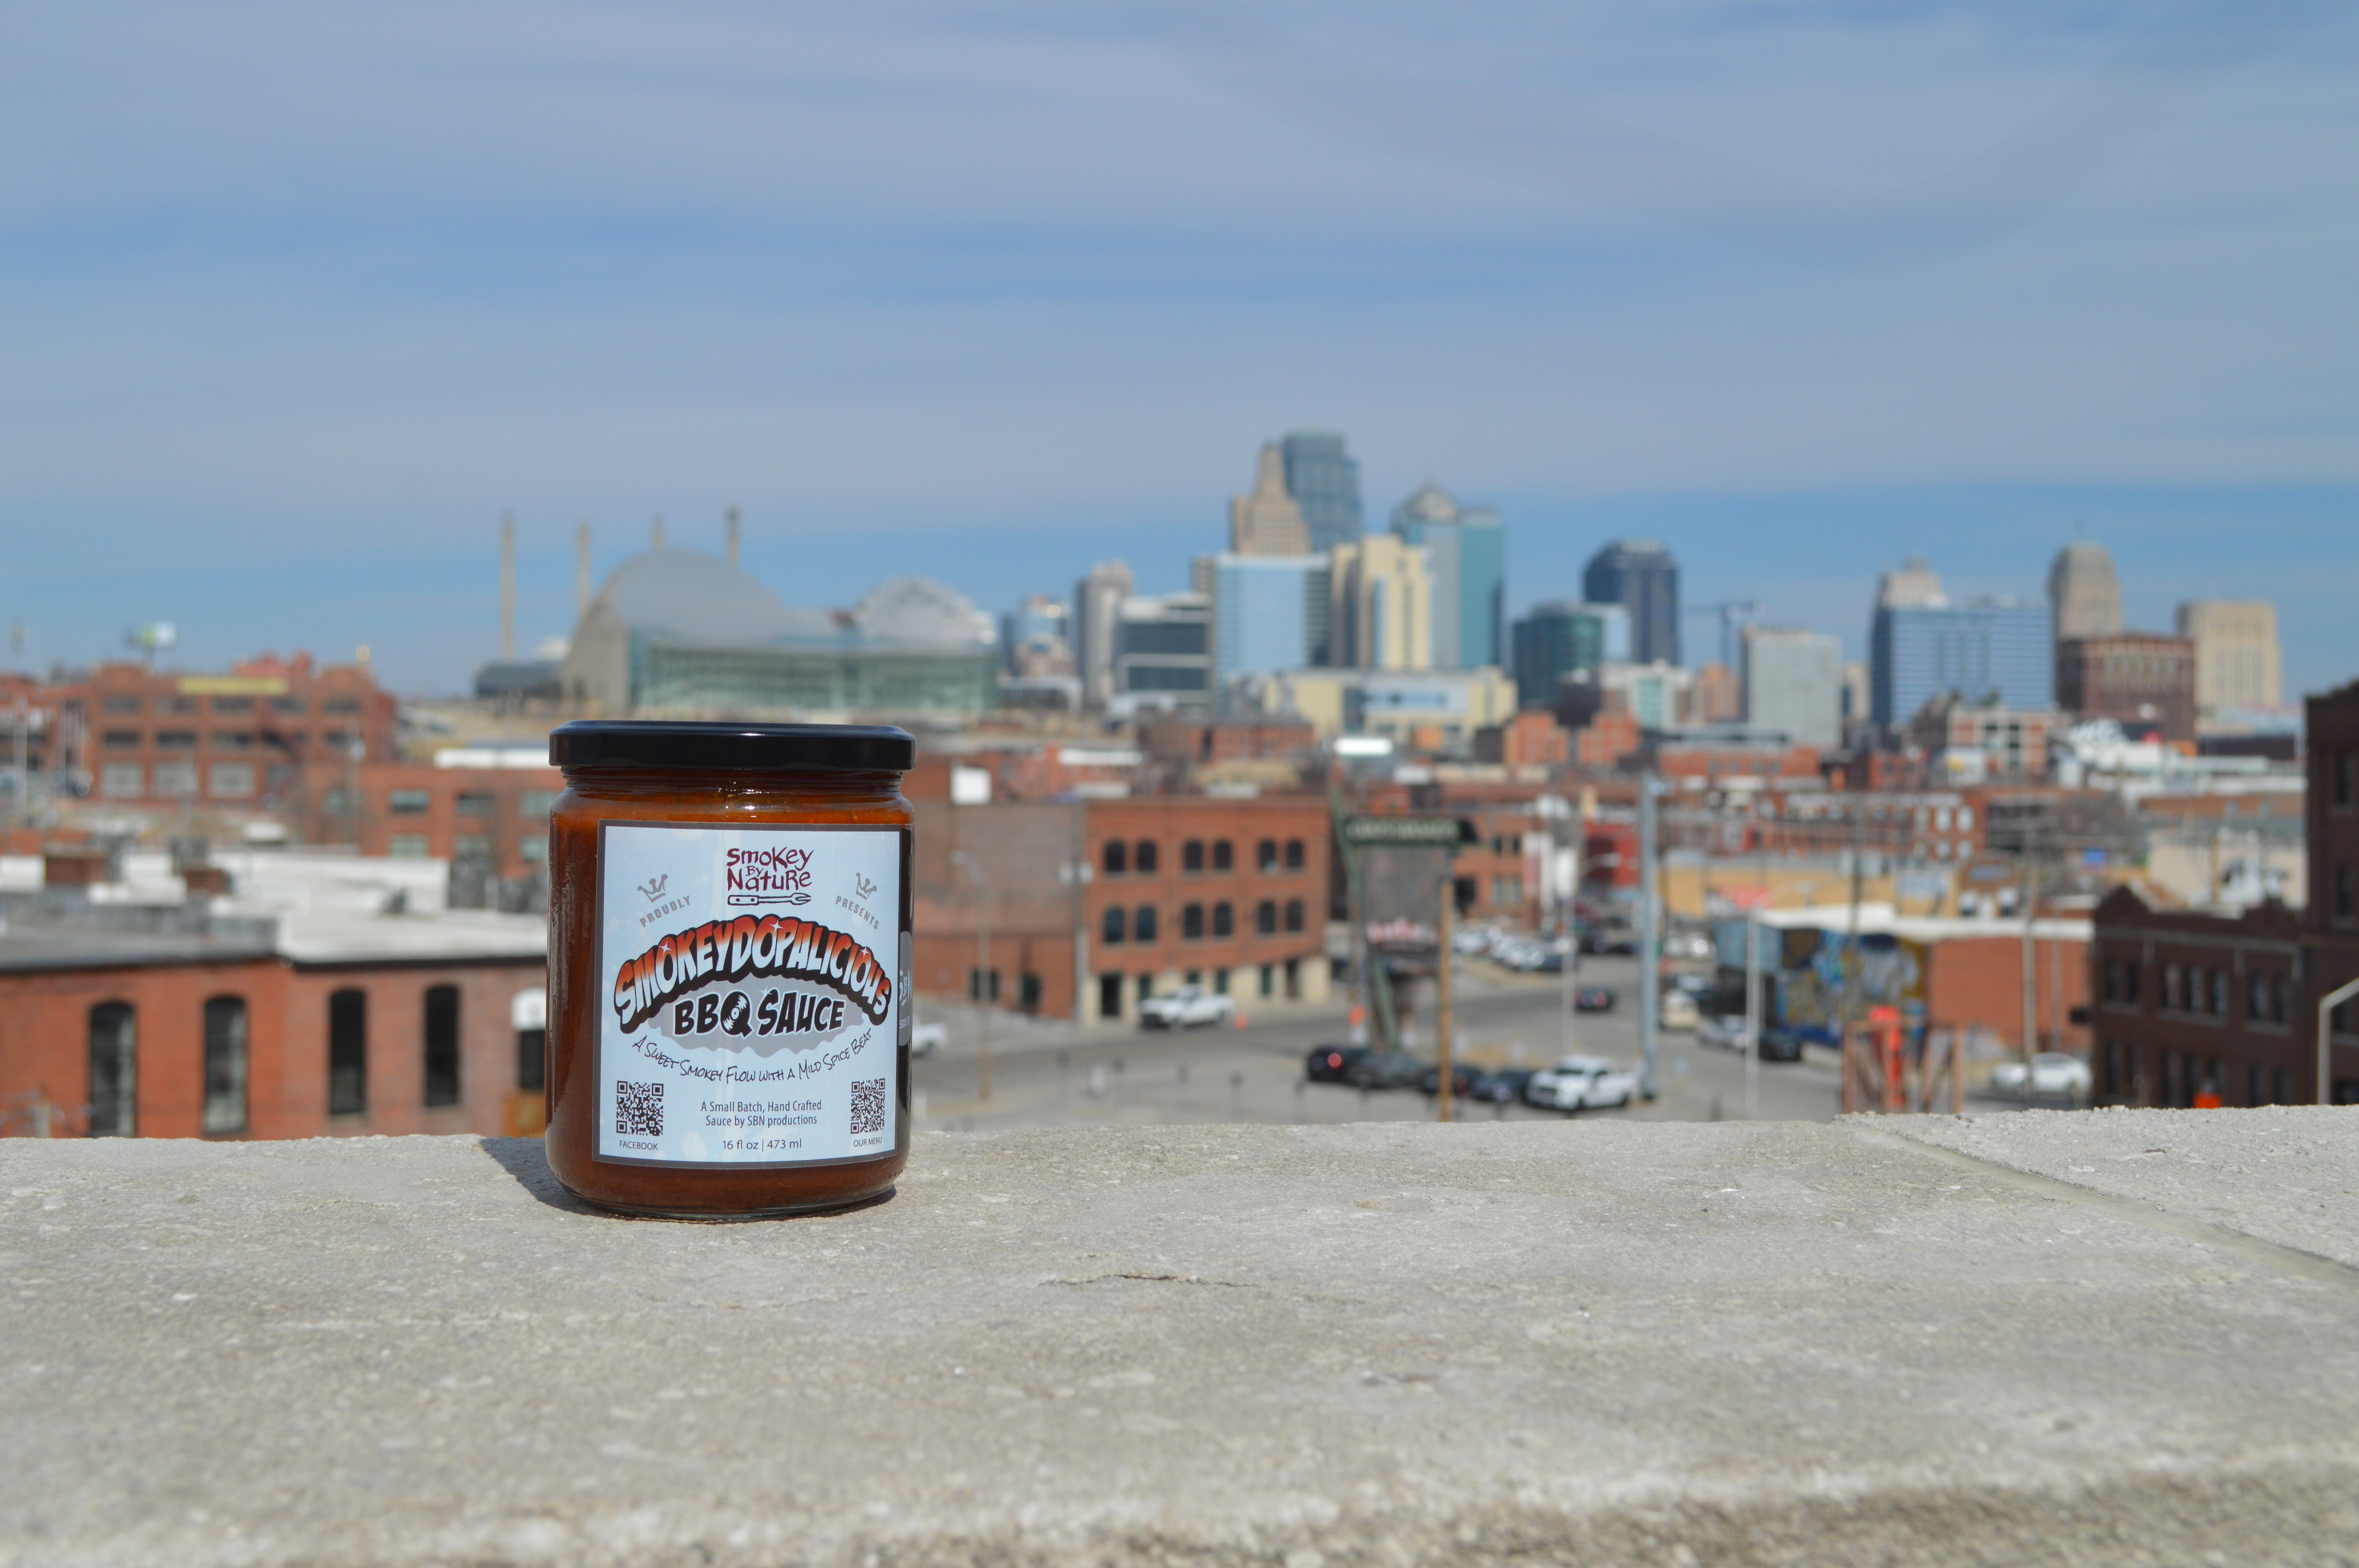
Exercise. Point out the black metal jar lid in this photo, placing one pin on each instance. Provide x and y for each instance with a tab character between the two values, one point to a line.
662	745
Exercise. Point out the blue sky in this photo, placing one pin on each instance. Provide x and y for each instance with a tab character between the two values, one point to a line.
297	299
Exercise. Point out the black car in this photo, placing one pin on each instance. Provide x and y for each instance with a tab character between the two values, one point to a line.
1503	1087
1781	1045
1461	1080
1373	1070
1328	1064
1593	998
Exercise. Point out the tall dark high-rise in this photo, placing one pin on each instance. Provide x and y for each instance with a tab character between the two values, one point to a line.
1324	480
1640	576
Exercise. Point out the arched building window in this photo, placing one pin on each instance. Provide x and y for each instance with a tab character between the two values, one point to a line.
1142	924
1118	857
1191	855
1266	918
442	1045
347	1052
224	1108
1143	858
1265	855
1224	919
1294	914
1294	854
1191	922
1224	855
1110	928
528	1011
113	1070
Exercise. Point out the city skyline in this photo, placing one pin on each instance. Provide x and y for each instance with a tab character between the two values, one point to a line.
290	344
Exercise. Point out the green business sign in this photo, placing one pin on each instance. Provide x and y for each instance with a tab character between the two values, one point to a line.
1407	832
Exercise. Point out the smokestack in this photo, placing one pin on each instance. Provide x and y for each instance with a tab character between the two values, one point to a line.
580	568
508	586
657	533
730	519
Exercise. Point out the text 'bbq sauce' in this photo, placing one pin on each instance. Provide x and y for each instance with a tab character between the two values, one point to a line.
729	965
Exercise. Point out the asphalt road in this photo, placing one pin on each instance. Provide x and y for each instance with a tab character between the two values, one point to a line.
1052	1074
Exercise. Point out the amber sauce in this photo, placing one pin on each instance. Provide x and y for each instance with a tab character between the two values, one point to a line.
722	799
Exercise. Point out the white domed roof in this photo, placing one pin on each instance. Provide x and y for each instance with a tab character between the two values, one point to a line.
684	596
919	609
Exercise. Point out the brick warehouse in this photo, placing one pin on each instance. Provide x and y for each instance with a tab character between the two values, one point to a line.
172	1023
2194	999
1104	902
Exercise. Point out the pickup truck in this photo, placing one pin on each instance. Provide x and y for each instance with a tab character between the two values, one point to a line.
1581	1083
1186	1008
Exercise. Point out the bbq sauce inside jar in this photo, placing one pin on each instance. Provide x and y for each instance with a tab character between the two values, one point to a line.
729	962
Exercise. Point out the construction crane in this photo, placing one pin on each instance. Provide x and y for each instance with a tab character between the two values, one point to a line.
1728	609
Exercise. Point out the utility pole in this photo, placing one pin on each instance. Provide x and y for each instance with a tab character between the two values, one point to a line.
1751	1010
1445	1020
981	967
1649	939
2031	970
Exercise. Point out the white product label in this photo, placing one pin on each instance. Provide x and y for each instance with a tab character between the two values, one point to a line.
751	994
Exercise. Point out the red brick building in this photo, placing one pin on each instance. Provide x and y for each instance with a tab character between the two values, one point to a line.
1108	901
2191	998
239	742
221	1034
497	818
2142	680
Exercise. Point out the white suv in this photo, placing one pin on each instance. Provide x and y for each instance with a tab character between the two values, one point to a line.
1186	1008
1581	1083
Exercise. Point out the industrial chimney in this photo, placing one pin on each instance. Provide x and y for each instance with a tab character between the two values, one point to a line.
730	519
507	586
657	533
580	568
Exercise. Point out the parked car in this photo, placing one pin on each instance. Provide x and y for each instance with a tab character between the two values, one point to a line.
1375	1069
1727	1031
1687	945
1581	1083
1186	1009
1461	1080
2052	1073
1593	998
1780	1045
925	1039
1609	938
1327	1064
1475	940
1679	1011
1502	1085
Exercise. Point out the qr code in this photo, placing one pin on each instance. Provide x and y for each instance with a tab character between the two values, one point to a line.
638	1109
867	1105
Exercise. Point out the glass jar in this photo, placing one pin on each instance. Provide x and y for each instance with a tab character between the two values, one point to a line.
729	962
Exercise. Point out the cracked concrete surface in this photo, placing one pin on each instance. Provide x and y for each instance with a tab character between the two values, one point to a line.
1896	1342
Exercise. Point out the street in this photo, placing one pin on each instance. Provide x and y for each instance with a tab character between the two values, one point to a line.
1052	1074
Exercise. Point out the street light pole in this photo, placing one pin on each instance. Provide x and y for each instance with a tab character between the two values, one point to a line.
1752	1008
2326	1006
1446	1020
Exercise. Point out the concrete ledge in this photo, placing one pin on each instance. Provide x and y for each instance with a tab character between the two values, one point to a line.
1972	1340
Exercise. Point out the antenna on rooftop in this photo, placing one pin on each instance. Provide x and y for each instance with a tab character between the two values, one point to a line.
730	520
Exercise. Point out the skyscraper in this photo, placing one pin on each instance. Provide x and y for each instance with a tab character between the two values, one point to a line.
1097	608
1324	480
1269	614
2084	597
1640	576
1553	642
1988	651
2237	663
1793	682
1382	597
1469	553
1267	522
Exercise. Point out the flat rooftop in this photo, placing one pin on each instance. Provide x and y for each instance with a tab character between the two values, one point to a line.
2054	1337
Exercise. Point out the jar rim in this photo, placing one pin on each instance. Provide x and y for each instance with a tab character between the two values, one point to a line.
679	745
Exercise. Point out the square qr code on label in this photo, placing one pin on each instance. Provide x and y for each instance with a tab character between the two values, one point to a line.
638	1109
867	1105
